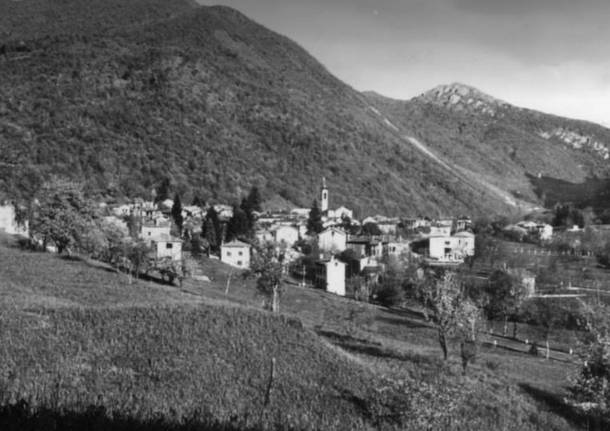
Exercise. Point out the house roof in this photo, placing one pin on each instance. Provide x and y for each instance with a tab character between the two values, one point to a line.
165	238
332	228
235	244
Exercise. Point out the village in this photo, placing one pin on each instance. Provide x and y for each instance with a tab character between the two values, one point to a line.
319	247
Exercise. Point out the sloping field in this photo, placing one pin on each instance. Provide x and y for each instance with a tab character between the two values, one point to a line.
81	348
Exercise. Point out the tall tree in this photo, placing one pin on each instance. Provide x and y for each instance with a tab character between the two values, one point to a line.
254	200
163	189
371	229
314	222
62	216
445	304
212	230
239	225
177	213
590	385
247	209
198	201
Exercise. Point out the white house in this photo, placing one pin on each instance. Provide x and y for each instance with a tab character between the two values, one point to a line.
415	223
388	226
545	231
167	246
369	220
235	253
397	248
332	239
192	211
463	223
447	222
152	230
225	212
330	276
8	222
264	235
452	248
286	234
340	213
440	230
122	210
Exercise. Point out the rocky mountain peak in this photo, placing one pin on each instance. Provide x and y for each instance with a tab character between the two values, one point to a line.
461	97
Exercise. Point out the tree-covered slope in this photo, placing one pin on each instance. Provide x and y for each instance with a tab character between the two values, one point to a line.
125	93
216	103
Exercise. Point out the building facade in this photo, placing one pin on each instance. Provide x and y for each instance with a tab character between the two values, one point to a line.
330	276
235	253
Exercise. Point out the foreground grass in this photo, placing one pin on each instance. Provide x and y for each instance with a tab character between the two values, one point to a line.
81	348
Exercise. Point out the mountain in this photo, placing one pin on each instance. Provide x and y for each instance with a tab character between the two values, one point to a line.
496	142
125	94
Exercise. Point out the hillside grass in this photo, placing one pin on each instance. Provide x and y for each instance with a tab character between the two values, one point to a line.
147	355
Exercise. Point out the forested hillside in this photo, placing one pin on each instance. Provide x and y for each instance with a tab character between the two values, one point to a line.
124	94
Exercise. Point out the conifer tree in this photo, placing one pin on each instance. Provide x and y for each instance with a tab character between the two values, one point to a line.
239	224
314	222
254	200
177	213
212	230
162	190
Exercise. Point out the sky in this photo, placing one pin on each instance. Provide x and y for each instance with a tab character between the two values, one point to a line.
549	55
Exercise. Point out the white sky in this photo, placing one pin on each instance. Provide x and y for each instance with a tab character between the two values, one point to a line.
550	55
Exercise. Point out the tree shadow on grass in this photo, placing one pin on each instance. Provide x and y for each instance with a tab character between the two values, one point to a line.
21	417
371	348
337	337
556	404
404	323
406	313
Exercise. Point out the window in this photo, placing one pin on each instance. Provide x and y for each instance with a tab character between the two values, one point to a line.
149	233
169	245
228	254
239	263
240	253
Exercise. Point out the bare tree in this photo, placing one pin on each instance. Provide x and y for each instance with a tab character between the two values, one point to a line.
267	267
446	305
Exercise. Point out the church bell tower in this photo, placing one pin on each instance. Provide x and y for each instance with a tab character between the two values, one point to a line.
324	197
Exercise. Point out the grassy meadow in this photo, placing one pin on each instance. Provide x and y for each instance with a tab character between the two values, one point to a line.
82	348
